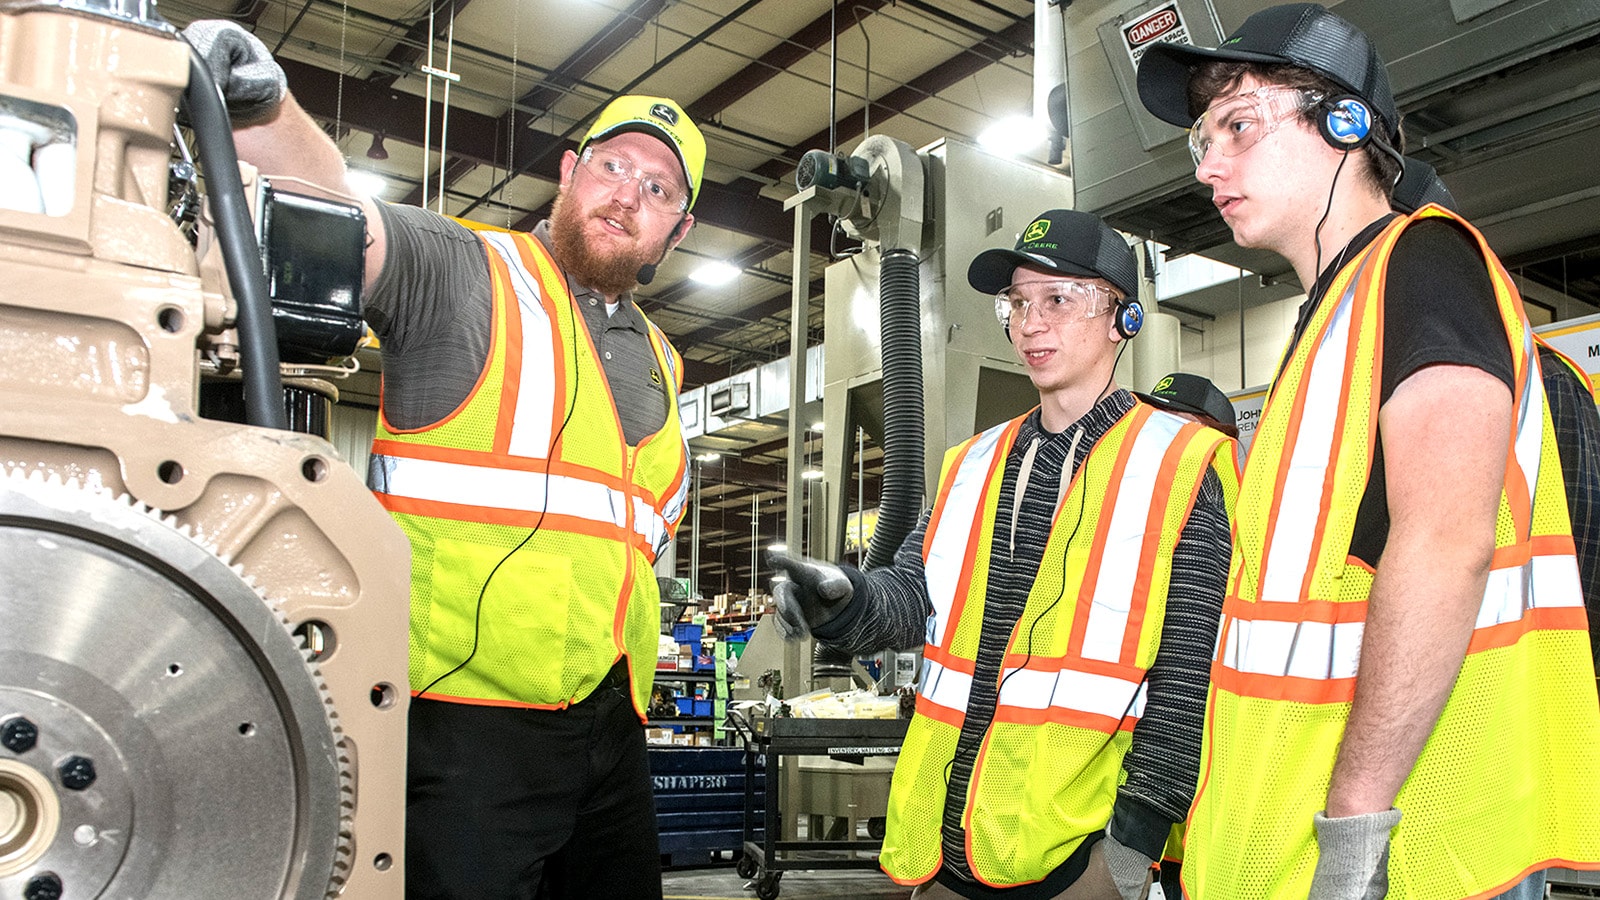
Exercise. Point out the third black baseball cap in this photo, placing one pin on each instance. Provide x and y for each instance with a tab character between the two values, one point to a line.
1065	241
1296	34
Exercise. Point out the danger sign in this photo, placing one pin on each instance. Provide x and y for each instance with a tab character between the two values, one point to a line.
1161	25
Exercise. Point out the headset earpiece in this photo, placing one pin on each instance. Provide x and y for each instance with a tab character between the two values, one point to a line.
1345	122
1130	318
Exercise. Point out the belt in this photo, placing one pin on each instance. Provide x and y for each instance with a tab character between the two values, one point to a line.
619	676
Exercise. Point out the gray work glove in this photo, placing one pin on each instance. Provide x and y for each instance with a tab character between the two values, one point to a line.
252	82
1354	856
1130	869
814	593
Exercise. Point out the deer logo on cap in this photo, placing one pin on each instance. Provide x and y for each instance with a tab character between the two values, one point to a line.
665	113
1037	230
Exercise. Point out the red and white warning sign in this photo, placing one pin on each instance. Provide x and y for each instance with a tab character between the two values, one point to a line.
1160	25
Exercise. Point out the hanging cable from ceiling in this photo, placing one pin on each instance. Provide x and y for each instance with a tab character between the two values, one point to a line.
449	77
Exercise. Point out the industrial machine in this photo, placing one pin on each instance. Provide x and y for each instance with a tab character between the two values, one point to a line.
203	656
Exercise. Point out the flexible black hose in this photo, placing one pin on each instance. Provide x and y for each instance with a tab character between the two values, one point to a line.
258	339
900	316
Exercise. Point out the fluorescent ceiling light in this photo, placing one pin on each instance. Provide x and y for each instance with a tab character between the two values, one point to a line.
811	474
1014	135
714	272
708	457
816	426
778	548
366	184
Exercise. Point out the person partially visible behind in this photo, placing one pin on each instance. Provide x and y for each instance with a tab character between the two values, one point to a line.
1065	588
1196	399
1403	703
1571	396
530	448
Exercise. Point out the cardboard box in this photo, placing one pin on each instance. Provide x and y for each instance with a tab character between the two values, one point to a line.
683	740
658	735
702	740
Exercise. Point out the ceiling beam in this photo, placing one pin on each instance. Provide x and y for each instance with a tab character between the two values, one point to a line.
410	47
399	116
990	50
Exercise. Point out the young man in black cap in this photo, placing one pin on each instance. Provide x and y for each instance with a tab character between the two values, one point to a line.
1403	648
1065	588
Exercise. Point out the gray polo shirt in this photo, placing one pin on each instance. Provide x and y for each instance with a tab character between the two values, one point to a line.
432	304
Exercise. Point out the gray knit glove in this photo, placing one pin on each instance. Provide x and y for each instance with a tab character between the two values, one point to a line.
1130	869
1354	856
252	82
814	592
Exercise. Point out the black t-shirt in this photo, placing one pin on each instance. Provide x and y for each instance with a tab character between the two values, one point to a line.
1438	307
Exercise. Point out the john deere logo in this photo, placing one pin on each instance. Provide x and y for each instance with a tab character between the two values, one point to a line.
665	113
1162	385
1036	231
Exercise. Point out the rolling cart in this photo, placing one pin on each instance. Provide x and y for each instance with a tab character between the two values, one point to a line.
765	741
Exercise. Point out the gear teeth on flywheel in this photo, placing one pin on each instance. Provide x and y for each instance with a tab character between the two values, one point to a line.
30	480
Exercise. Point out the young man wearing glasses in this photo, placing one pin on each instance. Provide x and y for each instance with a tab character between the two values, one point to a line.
1065	587
1403	704
526	400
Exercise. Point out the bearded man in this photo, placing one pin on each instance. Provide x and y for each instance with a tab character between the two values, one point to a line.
529	446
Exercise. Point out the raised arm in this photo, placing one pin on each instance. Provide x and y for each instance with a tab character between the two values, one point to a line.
270	129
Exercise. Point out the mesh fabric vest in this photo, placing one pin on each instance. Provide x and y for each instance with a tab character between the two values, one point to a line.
533	524
1509	780
1072	683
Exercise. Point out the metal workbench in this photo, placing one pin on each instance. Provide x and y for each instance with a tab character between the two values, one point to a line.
766	741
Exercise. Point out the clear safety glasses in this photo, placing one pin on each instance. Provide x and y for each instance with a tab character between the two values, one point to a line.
1234	125
656	191
1052	301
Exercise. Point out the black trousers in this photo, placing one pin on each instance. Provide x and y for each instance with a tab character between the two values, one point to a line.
530	804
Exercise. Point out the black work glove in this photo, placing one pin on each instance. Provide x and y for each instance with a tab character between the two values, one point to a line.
252	82
814	592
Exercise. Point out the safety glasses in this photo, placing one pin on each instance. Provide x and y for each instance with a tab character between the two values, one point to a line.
1234	125
1052	301
655	191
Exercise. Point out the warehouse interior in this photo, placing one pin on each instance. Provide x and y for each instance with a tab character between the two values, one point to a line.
969	116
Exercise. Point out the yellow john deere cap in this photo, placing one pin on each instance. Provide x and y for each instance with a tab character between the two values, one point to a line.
657	116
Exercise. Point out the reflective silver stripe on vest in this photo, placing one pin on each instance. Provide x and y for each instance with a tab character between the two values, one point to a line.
1107	624
957	528
1294	536
1030	689
1319	650
518	491
536	391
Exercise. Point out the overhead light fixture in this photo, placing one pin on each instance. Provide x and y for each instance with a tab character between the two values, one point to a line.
778	547
714	272
811	474
366	184
1013	135
816	426
377	150
708	457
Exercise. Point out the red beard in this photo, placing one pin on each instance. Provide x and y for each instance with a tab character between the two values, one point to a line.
610	272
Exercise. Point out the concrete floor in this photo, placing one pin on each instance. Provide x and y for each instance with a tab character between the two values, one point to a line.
725	884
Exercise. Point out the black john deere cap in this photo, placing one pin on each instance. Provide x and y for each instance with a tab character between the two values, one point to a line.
1183	392
1065	241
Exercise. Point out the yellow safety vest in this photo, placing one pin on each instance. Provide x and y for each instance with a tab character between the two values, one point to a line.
1072	680
533	523
1571	364
1509	781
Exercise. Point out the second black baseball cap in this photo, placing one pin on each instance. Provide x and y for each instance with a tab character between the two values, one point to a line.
1065	241
1183	392
1296	34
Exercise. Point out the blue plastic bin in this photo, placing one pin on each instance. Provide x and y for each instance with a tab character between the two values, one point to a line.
688	633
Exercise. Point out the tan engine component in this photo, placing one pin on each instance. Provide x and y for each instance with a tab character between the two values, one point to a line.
162	734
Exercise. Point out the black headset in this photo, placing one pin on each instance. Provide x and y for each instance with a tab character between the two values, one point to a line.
1130	317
